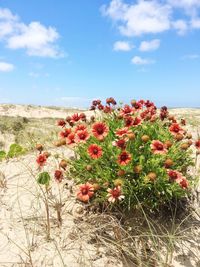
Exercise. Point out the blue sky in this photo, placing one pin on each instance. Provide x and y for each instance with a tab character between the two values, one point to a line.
69	52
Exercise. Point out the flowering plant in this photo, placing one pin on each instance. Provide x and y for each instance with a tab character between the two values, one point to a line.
129	154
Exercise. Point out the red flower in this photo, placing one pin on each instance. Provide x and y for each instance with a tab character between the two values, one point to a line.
183	182
65	133
82	116
158	147
86	191
175	129
75	117
100	107
136	121
128	121
115	194
100	130
120	143
126	110
41	160
178	178
96	102
58	175
121	132
82	136
173	174
111	100
95	151
107	109
197	144
80	127
70	139
61	123
124	158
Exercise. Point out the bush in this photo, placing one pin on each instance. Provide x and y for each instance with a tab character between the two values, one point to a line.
129	155
15	150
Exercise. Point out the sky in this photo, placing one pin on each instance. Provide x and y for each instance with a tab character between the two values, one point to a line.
66	53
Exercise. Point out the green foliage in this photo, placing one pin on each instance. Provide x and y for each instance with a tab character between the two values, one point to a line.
2	155
44	178
15	151
136	187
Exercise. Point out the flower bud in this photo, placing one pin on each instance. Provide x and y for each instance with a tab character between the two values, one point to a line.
145	138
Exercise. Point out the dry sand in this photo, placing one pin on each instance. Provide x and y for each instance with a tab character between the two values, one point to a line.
22	216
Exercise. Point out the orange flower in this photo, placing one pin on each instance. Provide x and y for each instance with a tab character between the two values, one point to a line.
41	160
95	151
100	130
115	194
82	136
124	158
86	191
158	147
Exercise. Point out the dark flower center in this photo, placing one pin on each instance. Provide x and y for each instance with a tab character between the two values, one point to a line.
84	191
159	147
115	193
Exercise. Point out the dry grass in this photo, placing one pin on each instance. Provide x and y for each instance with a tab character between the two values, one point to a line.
86	238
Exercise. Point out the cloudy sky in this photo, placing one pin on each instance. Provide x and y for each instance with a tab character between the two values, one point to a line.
69	52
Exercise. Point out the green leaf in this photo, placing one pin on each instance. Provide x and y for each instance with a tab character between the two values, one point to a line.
15	150
2	154
44	178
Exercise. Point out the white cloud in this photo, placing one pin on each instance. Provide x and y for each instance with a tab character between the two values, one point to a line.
35	38
184	3
149	45
181	26
153	16
122	46
141	61
6	67
140	18
195	23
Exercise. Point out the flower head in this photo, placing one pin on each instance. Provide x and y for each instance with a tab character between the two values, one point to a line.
86	191
70	139
114	194
82	136
137	121
61	123
41	160
100	130
65	133
75	117
95	151
80	127
176	129
124	158
197	144
158	147
178	178
121	132
58	175
121	143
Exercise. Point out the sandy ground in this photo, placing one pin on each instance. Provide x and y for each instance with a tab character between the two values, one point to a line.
22	216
